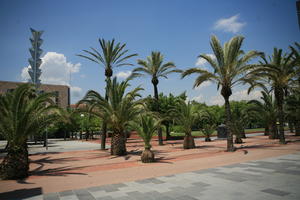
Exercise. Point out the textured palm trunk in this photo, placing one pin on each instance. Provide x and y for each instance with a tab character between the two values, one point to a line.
155	82
118	144
230	146
274	131
108	74
279	100
147	156
188	142
207	139
297	128
15	164
168	136
267	130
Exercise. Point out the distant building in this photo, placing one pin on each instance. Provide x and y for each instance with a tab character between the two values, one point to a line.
62	92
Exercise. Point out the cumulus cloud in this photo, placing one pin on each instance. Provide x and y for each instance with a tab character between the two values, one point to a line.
236	96
56	70
198	98
203	85
124	74
230	24
202	62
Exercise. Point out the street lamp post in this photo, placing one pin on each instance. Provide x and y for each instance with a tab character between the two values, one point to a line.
82	116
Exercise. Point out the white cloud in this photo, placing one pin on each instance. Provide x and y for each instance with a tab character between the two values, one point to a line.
201	62
198	98
56	70
236	96
124	74
76	92
203	85
230	24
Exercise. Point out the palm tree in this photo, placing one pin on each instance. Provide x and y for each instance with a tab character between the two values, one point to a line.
146	125
229	69
23	113
279	72
186	117
209	120
267	111
155	68
111	56
292	106
119	110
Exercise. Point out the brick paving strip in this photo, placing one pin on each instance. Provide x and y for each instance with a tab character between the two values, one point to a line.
63	175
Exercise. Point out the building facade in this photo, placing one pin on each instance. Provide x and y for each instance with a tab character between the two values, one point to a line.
62	92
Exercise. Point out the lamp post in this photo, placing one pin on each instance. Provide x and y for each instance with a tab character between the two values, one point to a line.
82	116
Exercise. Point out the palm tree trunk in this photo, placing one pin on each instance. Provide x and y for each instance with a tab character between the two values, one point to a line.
274	131
160	138
188	142
168	136
147	156
279	98
297	128
104	123
15	165
118	144
230	146
267	130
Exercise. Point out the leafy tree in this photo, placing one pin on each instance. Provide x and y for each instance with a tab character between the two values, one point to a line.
229	69
111	55
23	113
154	67
119	110
279	72
146	125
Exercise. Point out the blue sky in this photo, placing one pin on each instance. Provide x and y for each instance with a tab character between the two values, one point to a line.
181	30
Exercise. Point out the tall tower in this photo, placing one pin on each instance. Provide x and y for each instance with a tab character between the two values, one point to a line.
35	61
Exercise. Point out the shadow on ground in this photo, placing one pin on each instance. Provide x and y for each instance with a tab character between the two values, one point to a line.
21	194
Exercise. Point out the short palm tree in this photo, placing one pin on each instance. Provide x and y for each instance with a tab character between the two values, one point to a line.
155	68
267	111
208	130
23	113
209	120
146	125
186	117
229	69
279	72
111	56
119	110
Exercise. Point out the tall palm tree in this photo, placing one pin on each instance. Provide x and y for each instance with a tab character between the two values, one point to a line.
186	117
154	67
267	111
111	55
279	72
119	110
229	69
146	125
23	113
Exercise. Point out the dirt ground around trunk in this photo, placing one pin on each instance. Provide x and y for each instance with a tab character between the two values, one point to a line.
55	172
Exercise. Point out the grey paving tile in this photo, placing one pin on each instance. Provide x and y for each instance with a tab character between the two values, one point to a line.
201	184
105	198
66	193
51	196
204	171
150	180
185	197
83	195
240	165
275	192
229	176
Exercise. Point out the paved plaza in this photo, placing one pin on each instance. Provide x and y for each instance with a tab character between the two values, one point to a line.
271	178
